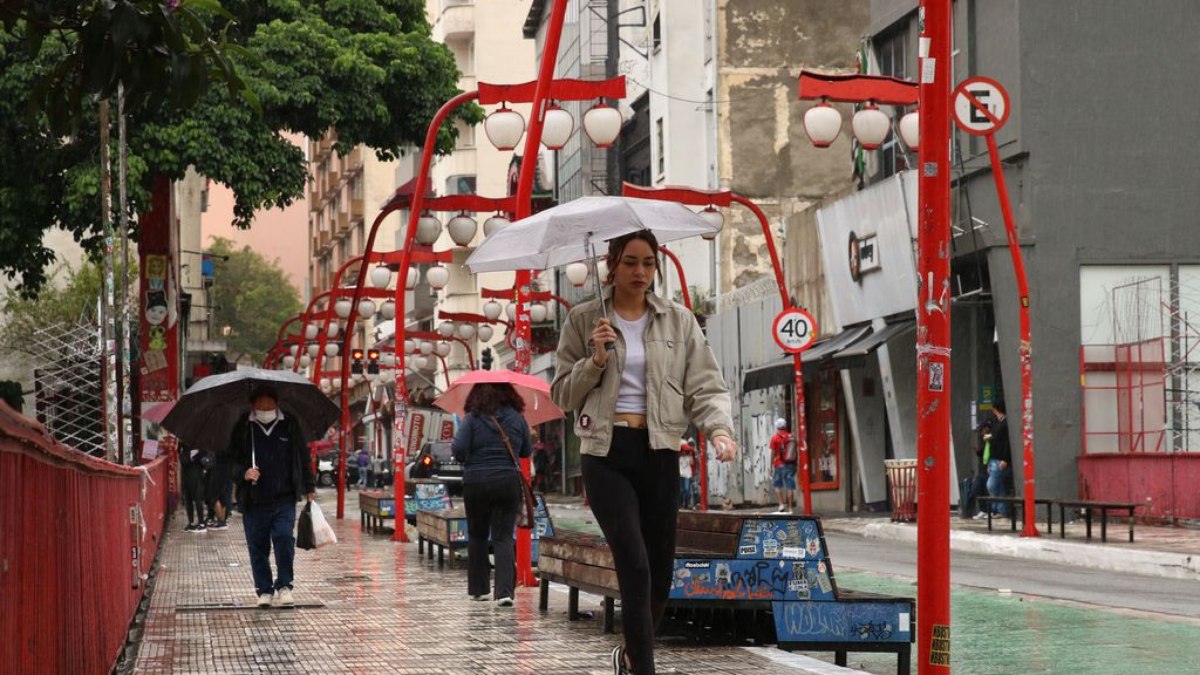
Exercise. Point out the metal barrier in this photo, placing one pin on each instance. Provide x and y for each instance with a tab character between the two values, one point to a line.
77	537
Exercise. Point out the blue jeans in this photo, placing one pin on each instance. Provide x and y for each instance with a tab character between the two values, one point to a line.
685	492
267	525
997	484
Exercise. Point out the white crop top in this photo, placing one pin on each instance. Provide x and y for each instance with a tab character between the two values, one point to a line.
631	397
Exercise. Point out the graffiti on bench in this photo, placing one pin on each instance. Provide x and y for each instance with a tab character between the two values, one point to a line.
427	497
873	621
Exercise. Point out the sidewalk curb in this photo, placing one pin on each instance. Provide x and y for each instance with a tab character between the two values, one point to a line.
1044	549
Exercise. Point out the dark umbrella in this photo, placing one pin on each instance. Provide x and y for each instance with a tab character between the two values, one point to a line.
206	414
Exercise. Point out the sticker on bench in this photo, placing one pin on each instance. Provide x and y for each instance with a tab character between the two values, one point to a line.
750	580
869	621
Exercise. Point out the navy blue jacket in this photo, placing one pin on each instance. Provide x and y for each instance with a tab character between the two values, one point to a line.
478	445
300	473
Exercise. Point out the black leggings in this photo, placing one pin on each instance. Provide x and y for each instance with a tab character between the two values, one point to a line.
634	494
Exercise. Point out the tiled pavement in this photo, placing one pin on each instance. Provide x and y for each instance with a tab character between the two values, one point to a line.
368	605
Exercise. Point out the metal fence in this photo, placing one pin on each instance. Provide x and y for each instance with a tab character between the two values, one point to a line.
77	537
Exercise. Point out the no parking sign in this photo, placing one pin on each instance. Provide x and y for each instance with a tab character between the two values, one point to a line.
980	106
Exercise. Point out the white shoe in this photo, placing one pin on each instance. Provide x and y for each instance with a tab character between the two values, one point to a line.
504	602
479	598
285	597
264	600
979	516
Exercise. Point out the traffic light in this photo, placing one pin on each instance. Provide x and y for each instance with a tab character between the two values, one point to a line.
356	362
372	361
485	358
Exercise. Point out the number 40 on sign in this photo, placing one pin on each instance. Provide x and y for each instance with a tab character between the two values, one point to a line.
795	330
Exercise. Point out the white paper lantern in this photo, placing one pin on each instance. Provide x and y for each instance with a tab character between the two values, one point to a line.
381	276
538	312
602	269
332	331
388	310
426	347
557	126
293	349
485	332
822	124
437	277
366	308
289	362
510	310
494	223
577	273
325	383
602	124
910	130
314	349
410	346
342	308
305	360
410	281
429	229
462	229
492	310
332	349
387	359
443	349
871	126
504	128
310	331
419	362
446	329
466	331
714	216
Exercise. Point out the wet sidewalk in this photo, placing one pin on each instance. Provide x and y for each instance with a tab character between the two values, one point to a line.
368	605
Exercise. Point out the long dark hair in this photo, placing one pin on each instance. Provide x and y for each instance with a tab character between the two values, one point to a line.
616	249
487	399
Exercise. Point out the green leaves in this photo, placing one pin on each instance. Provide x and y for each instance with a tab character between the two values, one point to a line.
252	296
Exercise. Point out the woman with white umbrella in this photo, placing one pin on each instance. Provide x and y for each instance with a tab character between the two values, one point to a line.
635	382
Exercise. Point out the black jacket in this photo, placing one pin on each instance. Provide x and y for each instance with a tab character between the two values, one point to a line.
1001	448
479	446
240	461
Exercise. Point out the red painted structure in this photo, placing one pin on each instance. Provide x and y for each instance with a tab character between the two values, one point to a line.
73	561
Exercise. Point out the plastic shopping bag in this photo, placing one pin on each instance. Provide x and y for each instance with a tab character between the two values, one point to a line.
322	531
305	537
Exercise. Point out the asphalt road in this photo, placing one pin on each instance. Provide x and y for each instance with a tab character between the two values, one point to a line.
1114	590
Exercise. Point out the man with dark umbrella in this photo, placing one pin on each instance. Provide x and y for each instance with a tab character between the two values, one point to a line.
269	457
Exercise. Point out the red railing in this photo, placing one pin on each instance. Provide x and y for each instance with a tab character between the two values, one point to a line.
77	536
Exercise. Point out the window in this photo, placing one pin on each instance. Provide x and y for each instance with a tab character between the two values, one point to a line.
824	447
460	185
657	31
660	147
891	52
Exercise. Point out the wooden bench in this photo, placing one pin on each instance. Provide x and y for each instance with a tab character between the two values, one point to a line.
374	508
425	494
1087	507
768	564
1017	503
446	529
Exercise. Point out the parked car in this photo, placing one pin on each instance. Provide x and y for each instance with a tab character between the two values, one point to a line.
327	477
435	460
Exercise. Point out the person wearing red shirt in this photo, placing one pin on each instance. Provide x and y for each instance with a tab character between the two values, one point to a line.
783	458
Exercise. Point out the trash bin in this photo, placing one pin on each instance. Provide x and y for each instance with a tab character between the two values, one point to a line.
902	481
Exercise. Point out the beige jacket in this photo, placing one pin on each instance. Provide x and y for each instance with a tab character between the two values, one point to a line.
683	381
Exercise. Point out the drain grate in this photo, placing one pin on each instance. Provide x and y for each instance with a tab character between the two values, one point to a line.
349	579
233	607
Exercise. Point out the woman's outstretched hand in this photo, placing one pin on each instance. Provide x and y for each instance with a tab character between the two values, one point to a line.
726	448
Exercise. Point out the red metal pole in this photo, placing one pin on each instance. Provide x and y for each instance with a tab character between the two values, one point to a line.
524	206
702	454
933	342
1026	347
400	403
687	298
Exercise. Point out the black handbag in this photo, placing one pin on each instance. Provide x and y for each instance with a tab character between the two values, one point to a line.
305	537
525	515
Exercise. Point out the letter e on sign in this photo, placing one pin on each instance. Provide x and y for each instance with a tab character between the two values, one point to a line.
795	330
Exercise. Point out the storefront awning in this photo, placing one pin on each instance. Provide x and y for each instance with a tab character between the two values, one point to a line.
779	373
855	354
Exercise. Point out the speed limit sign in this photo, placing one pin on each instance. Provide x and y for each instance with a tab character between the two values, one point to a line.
795	330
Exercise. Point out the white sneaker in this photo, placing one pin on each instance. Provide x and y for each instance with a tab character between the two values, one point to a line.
285	597
264	600
479	598
979	516
504	602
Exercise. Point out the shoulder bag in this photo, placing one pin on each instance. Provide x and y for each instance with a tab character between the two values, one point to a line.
525	514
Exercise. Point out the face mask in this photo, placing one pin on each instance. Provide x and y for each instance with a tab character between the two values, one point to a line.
265	416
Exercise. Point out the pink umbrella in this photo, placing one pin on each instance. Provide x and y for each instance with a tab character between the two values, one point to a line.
535	392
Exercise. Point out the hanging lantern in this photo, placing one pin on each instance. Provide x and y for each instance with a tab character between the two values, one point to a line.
462	229
332	331
504	127
822	124
381	276
331	349
494	223
437	277
510	310
871	126
342	308
602	124
557	125
446	329
485	332
366	308
293	349
410	346
538	312
289	362
388	310
310	331
602	269
387	359
419	362
492	310
577	273
426	347
313	349
910	130
325	384
717	219
410	282
466	331
429	229
305	361
442	349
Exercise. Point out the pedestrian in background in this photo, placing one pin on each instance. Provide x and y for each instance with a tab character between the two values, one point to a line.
192	479
363	462
978	484
269	455
687	460
218	492
541	463
783	459
629	449
491	438
999	461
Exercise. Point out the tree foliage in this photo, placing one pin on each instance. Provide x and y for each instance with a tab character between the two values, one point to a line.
252	296
367	68
69	302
